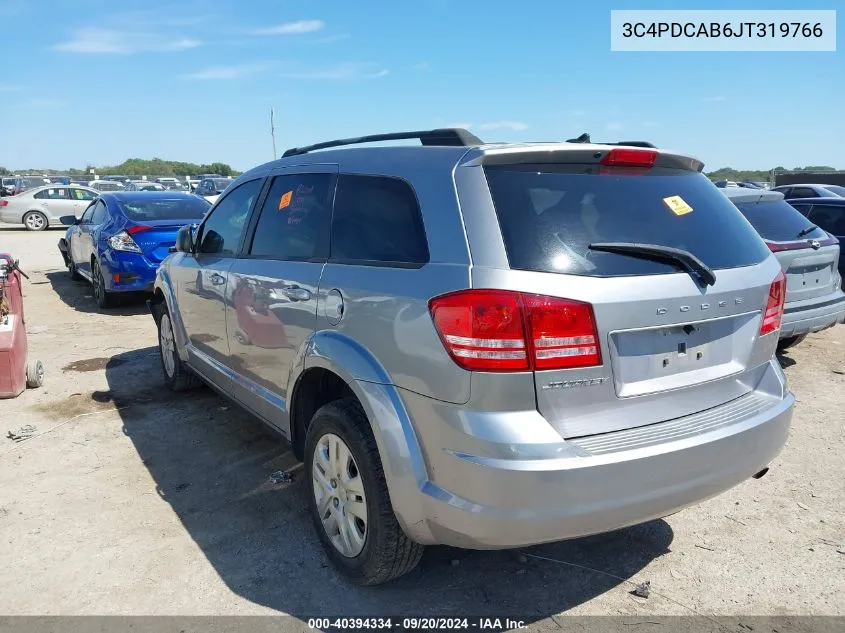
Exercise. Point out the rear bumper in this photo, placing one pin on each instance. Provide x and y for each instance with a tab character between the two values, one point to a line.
601	483
135	273
813	315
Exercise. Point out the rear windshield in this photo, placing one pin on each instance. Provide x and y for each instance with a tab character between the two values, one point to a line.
778	221
549	215
839	191
187	208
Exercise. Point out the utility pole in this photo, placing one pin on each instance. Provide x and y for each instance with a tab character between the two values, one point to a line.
273	131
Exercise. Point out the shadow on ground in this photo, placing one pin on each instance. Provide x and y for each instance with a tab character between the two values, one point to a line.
212	462
77	295
784	359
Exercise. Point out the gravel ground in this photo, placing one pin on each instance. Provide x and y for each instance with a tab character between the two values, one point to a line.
136	501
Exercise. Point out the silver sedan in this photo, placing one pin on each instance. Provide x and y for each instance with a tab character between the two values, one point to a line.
41	207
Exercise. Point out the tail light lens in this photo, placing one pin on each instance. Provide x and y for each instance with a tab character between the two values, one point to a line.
492	330
773	314
138	228
4	203
124	242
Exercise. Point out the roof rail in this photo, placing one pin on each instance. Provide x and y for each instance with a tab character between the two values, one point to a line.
585	138
451	137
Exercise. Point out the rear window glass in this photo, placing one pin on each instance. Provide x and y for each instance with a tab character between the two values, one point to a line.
188	208
778	221
549	215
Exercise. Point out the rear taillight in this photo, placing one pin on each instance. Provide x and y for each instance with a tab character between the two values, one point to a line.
779	247
773	313
138	228
629	157
4	203
499	330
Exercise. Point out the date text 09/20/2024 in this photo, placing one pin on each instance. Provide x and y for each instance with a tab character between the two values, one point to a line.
416	624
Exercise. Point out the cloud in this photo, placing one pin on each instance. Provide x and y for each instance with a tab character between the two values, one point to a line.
613	126
346	71
94	40
236	71
716	99
514	126
292	28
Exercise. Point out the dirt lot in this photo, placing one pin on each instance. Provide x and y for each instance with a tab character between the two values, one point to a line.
135	501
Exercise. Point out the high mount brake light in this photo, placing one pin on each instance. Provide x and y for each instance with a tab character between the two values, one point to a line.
500	330
629	157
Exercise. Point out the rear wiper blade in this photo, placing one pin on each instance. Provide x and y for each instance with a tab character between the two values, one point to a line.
807	231
687	260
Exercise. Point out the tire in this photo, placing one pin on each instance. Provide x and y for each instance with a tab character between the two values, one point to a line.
34	374
790	341
103	298
177	374
35	221
387	552
71	268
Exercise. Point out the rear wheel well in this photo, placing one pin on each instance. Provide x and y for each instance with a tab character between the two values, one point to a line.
157	304
316	387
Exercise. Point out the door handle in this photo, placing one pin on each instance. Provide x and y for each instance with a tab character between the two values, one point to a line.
295	293
218	280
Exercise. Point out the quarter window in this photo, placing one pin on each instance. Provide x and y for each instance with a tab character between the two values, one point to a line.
377	219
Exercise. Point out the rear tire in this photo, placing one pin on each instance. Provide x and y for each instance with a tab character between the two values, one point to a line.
35	221
790	341
103	298
34	374
177	374
387	551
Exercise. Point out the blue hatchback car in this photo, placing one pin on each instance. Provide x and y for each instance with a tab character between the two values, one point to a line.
122	237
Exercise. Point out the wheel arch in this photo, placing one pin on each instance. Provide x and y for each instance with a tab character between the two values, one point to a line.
164	294
334	366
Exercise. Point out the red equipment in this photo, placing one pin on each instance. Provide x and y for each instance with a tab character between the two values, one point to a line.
15	373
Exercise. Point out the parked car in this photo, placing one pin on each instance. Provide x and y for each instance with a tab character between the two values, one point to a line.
808	256
809	191
107	185
7	186
121	238
143	185
25	183
211	188
170	183
484	346
41	207
827	214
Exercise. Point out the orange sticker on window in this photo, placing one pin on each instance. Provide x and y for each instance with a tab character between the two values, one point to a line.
284	201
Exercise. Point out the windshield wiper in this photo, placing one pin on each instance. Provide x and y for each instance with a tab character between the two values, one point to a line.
807	231
687	260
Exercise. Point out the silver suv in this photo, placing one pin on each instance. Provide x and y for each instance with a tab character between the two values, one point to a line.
484	345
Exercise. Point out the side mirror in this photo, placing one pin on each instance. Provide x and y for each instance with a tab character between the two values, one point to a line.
185	240
69	220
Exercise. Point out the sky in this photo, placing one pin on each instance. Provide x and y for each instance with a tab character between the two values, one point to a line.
99	81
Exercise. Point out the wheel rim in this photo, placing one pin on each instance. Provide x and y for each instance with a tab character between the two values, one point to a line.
339	493
168	348
34	221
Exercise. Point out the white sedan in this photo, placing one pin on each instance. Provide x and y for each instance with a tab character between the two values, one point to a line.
38	208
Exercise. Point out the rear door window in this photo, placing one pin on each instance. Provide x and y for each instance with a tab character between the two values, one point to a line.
830	218
778	221
294	220
549	214
377	221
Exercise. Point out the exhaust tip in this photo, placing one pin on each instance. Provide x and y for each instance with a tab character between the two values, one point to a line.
761	474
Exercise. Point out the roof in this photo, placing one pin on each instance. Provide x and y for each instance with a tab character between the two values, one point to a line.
140	196
743	194
805	184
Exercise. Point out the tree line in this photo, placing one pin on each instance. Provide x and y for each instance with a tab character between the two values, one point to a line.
140	167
